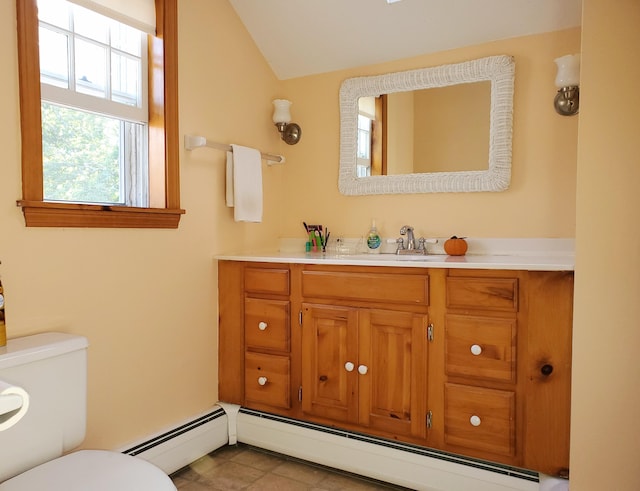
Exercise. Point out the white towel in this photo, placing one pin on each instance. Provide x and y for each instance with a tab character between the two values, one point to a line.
229	179
246	194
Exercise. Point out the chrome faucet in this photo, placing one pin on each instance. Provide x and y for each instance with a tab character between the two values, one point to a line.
411	241
411	247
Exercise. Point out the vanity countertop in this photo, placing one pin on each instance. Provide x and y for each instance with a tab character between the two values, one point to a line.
542	262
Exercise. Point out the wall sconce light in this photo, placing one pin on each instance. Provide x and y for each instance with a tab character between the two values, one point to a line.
289	132
567	100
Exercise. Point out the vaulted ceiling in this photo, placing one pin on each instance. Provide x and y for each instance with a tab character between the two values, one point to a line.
305	37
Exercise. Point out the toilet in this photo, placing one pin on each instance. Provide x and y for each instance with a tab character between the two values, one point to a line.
51	368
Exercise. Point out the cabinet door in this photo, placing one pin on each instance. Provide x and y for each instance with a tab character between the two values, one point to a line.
392	370
329	353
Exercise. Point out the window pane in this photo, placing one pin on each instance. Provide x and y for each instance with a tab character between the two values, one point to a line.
125	79
364	122
54	12
125	38
96	56
364	137
91	25
54	61
363	170
90	65
81	156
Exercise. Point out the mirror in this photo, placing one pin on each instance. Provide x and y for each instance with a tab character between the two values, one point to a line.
486	170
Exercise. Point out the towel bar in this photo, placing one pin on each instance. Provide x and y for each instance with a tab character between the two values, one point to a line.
191	142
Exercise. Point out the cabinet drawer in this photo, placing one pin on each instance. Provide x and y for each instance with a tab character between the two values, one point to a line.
480	347
481	419
266	379
266	324
266	280
498	294
368	287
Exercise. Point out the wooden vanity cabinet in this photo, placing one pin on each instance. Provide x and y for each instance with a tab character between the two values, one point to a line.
365	367
364	346
473	362
255	336
507	366
481	393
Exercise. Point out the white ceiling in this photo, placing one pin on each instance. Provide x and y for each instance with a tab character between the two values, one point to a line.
305	37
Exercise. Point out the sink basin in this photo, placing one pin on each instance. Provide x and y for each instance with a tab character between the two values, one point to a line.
397	257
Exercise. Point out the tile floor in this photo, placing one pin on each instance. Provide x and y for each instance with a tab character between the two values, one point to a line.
253	469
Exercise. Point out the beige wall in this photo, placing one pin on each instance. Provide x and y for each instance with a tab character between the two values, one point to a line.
452	128
146	299
539	203
605	436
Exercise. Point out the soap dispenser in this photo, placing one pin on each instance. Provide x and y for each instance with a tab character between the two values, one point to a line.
373	239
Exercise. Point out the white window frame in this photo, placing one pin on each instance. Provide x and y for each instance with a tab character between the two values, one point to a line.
134	162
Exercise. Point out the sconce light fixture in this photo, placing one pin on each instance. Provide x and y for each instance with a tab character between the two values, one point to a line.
289	132
567	100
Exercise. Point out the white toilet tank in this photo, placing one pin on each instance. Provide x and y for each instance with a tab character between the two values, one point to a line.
52	368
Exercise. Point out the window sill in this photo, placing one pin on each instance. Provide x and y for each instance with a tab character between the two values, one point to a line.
47	214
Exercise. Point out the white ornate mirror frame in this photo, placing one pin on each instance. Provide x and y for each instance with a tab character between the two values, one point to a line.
499	70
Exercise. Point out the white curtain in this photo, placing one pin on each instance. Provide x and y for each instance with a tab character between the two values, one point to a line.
140	14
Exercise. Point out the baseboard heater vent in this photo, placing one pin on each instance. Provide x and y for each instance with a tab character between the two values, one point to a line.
179	446
405	464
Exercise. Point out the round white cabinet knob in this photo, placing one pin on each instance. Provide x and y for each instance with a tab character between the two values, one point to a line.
475	420
349	366
262	380
363	369
262	326
476	349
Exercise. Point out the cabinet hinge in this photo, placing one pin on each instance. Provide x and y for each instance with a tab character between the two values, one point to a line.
300	394
300	317
429	419
430	332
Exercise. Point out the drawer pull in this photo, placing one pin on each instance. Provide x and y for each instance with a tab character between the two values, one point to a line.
476	349
349	366
475	420
262	380
262	326
363	369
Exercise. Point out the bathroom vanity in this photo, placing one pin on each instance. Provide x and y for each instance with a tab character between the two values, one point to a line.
469	357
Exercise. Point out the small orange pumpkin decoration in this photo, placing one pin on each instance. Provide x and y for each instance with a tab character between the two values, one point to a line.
455	246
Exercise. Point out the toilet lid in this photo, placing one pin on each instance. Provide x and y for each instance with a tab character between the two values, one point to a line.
92	470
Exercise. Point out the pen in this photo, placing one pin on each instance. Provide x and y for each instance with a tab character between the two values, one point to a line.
325	240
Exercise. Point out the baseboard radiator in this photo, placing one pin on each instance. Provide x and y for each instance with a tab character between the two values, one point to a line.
406	465
177	447
403	464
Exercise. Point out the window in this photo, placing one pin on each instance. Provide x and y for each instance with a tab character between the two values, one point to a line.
94	153
371	147
363	154
93	107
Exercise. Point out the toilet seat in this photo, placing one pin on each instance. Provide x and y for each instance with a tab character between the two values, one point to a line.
94	470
